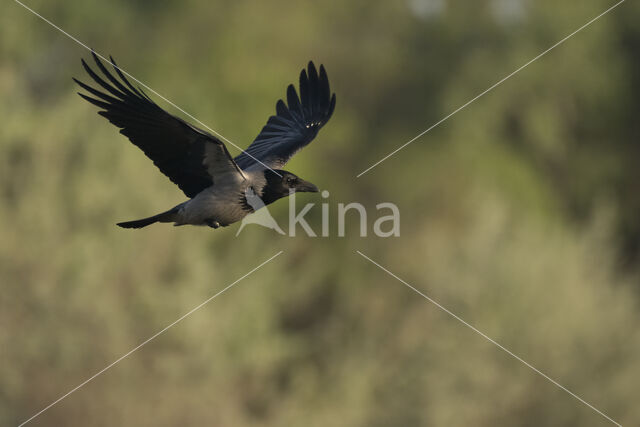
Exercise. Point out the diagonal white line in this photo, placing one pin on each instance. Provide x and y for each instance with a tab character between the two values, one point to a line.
491	340
146	341
141	83
498	83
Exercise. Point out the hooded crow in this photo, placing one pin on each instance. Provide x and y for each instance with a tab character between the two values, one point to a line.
216	184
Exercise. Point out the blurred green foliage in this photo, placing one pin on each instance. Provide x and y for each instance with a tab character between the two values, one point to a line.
519	214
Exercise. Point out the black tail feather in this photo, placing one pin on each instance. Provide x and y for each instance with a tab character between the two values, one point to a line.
139	223
167	216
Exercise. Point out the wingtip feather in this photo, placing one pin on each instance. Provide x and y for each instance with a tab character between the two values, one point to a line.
292	98
311	66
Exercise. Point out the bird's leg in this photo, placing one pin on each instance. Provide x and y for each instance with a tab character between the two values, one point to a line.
211	223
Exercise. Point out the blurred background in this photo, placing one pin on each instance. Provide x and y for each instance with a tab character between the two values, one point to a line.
519	214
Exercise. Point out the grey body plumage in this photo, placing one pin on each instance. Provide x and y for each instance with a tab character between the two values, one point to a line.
199	163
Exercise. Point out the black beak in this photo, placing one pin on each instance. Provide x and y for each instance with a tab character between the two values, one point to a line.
306	187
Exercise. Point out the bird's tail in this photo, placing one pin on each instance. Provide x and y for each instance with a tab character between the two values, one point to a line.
168	216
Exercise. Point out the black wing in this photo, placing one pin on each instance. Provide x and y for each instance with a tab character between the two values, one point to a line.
294	126
192	158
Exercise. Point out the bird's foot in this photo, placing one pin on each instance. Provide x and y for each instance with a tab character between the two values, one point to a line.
211	223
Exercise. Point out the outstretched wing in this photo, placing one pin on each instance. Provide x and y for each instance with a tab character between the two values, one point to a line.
294	126
192	158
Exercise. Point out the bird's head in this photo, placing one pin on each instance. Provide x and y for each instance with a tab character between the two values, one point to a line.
280	183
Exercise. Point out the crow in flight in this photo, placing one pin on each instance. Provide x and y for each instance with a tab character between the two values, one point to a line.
216	184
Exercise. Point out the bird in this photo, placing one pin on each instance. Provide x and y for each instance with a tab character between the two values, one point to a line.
216	185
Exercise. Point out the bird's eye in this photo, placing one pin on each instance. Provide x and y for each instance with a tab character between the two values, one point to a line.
290	180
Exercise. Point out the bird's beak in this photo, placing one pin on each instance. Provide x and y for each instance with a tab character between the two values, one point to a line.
306	187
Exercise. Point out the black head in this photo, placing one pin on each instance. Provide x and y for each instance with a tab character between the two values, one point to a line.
281	183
